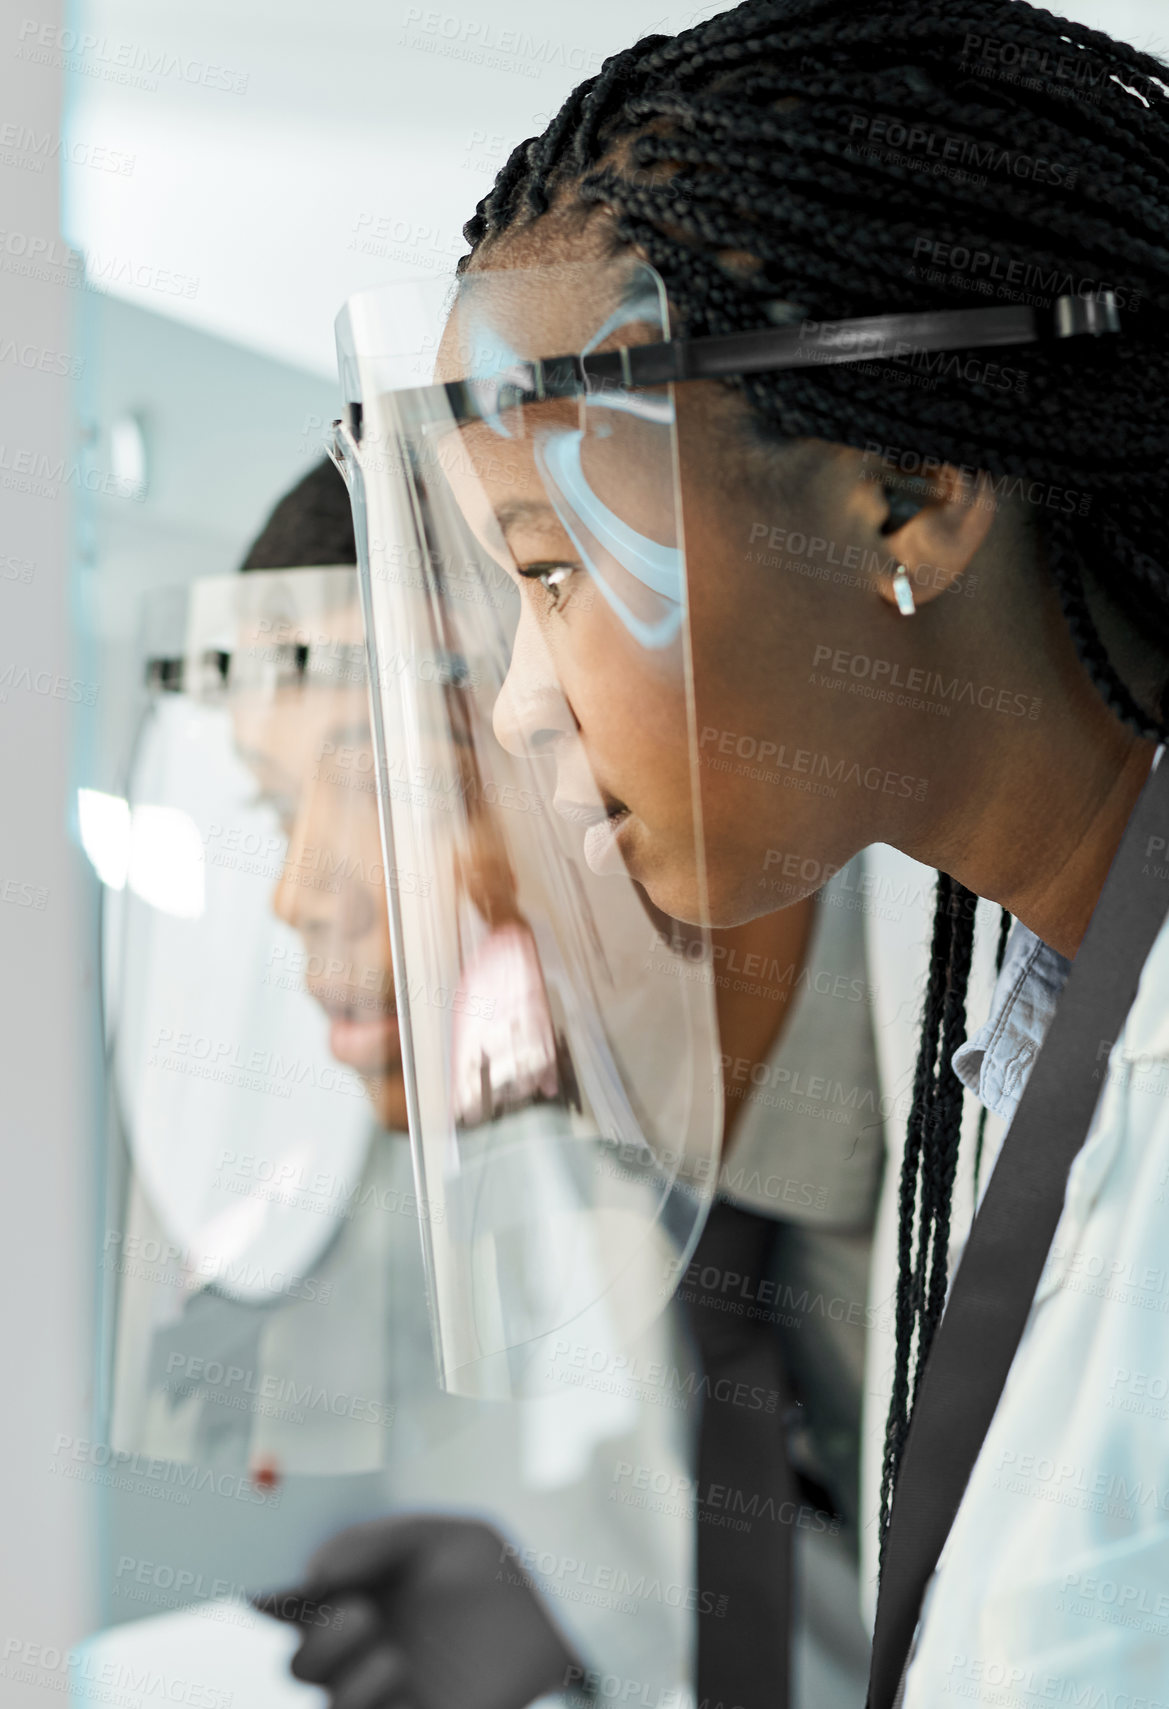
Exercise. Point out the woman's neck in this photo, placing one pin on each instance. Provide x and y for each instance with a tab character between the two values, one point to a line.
1045	822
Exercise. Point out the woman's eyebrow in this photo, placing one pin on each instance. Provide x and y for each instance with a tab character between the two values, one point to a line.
522	510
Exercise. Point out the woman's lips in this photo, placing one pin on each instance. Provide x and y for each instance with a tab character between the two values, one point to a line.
602	845
603	820
371	1046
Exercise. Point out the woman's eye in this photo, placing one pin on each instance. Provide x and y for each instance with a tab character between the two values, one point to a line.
551	577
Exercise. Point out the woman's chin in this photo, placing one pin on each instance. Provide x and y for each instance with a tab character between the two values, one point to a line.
721	906
678	895
387	1094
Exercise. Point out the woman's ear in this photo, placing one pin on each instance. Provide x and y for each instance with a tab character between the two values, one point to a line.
934	532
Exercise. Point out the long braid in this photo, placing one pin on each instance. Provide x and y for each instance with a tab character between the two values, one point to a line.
940	1159
739	137
928	1167
908	1222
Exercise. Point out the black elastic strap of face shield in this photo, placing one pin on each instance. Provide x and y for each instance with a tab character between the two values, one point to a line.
813	343
806	344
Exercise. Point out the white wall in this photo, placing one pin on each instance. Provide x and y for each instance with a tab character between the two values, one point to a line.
381	123
47	1062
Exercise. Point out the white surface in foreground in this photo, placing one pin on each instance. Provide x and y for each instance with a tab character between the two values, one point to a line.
216	1655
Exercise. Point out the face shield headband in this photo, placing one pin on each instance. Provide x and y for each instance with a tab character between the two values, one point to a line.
806	344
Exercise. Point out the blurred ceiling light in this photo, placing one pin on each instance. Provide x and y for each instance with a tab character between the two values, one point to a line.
155	851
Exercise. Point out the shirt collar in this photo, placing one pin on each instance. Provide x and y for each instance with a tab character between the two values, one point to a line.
995	1061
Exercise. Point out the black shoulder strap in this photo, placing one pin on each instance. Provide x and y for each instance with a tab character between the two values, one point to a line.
992	1292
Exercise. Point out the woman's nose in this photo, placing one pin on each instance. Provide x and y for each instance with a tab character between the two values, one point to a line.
324	890
531	714
290	897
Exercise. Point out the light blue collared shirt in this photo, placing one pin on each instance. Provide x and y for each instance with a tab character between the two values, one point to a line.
994	1062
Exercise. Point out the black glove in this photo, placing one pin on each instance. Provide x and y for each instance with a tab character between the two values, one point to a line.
424	1613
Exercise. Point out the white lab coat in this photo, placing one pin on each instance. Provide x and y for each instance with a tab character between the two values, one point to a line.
1054	1583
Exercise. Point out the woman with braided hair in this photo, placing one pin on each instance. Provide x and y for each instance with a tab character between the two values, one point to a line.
940	581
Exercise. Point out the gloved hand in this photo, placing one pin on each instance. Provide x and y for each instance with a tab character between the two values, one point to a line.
423	1613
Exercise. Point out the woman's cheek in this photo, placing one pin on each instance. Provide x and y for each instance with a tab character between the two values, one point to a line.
612	681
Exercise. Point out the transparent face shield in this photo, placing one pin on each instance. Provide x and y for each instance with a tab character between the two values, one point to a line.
510	444
254	1045
559	1036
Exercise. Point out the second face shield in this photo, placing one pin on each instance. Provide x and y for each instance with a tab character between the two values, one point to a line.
520	546
256	1191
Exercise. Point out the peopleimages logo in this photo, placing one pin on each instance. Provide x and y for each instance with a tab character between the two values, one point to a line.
87	54
76	1456
559	1571
82	1675
930	685
484	43
657	1373
800	766
1048	283
247	1390
694	1497
588	1686
941	147
229	1062
906	460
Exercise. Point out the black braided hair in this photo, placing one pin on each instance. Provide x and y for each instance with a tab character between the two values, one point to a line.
727	157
